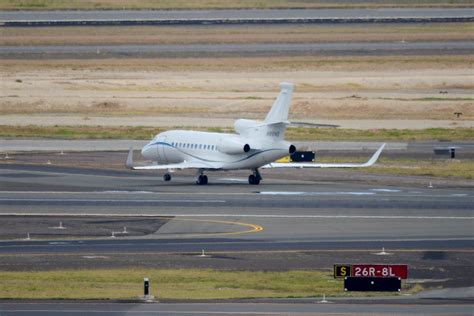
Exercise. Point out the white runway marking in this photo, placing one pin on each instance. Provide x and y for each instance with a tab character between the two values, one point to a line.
247	215
233	180
110	201
385	190
125	192
313	193
371	192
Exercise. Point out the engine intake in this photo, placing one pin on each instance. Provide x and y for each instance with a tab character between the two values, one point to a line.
292	149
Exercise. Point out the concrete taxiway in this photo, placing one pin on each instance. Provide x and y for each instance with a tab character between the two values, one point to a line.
218	17
90	15
229	216
265	49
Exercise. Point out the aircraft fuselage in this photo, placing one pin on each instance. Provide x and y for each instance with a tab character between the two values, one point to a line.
221	150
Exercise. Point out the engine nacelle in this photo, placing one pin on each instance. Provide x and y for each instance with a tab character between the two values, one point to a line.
291	149
233	147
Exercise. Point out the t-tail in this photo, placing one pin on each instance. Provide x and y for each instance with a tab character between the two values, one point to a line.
275	122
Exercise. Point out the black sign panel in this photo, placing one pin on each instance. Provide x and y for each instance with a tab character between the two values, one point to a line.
372	284
342	270
302	156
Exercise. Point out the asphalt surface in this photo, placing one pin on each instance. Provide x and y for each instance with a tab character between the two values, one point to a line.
293	213
233	14
263	49
12	145
293	220
227	309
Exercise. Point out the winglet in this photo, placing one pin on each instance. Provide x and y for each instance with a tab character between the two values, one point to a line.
374	157
129	162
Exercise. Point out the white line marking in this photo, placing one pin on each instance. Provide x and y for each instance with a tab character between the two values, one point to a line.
385	190
245	215
288	193
313	193
125	192
151	312
110	201
233	180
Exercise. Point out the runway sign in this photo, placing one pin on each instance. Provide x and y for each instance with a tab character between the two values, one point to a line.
380	270
371	270
370	284
342	270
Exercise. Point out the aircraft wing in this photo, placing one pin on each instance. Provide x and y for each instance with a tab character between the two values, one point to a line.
369	163
173	166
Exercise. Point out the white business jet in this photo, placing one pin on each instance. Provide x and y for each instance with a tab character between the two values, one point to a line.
255	145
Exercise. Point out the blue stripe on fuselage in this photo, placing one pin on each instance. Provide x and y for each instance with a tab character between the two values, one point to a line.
202	159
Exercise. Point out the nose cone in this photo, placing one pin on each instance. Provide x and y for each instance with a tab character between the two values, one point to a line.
147	152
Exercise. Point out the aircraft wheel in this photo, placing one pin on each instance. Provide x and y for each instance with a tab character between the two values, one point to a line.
167	177
201	180
254	180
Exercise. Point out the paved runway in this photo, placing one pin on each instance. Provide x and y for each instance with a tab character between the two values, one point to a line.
228	309
287	222
260	49
288	210
232	14
218	17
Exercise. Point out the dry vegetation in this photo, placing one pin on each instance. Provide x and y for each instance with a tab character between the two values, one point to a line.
330	88
235	34
220	4
188	90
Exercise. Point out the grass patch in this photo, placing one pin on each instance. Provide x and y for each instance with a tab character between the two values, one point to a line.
293	133
380	134
442	168
169	284
253	64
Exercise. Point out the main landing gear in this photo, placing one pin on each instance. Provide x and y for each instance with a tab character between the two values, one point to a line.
167	177
201	179
255	177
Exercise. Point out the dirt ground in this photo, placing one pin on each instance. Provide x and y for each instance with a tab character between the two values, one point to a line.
300	33
431	93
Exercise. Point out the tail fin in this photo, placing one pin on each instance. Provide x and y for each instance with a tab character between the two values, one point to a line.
279	111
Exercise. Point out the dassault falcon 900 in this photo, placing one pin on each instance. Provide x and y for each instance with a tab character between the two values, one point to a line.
255	145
